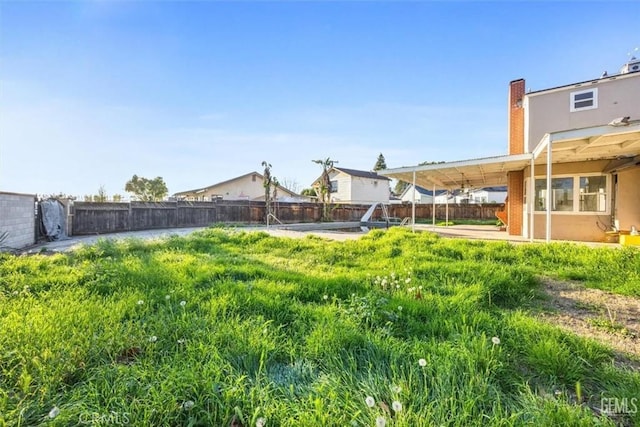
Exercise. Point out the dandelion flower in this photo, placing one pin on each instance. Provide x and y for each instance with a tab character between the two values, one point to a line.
422	362
495	340
381	421
396	389
140	302
370	401
188	404
54	412
397	406
420	287
397	286
407	280
326	297
399	308
183	303
153	338
167	296
261	422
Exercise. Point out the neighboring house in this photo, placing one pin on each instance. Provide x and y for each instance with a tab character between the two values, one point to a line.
244	187
482	195
572	168
422	195
356	187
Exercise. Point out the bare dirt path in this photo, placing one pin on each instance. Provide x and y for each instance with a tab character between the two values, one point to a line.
608	318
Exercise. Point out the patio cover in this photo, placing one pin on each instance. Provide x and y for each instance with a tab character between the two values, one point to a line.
474	173
618	141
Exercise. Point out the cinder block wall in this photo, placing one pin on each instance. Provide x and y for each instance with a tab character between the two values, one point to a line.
17	217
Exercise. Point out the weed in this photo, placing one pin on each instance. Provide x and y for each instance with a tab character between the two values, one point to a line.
227	326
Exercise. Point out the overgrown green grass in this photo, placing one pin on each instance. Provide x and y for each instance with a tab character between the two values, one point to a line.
222	325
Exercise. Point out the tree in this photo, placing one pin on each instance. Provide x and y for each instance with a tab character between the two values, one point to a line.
308	192
101	197
147	190
323	191
267	181
380	163
400	187
291	185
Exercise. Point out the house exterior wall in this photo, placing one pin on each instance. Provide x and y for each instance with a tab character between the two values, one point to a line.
549	111
582	226
344	187
628	198
247	187
407	196
17	217
364	190
485	196
354	189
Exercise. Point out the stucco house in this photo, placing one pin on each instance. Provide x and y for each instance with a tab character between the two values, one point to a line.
571	168
245	187
421	195
356	187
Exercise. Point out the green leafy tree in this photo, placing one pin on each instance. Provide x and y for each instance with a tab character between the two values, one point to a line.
400	187
147	190
323	190
380	163
308	192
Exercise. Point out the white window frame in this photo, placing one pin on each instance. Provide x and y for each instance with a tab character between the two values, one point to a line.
572	100
576	194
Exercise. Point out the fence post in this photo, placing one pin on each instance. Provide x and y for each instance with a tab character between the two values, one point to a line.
130	217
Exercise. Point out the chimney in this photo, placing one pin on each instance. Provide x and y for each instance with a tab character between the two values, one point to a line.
516	117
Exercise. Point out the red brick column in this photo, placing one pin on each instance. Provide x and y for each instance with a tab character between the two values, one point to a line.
515	191
515	180
516	117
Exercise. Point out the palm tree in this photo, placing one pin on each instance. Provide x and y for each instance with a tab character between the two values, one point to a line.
324	190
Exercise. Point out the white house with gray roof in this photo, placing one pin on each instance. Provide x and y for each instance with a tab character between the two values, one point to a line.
353	186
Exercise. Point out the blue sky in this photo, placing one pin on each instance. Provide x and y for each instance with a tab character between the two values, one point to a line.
92	92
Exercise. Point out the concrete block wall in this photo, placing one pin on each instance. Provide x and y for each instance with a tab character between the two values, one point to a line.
17	217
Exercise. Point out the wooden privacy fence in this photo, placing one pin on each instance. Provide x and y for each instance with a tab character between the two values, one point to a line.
99	218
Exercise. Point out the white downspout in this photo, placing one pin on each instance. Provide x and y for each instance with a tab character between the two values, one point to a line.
532	198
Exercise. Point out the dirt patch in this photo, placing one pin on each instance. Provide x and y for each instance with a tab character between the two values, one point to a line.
608	318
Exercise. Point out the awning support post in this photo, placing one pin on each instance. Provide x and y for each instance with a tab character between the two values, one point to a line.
433	209
413	204
549	195
446	209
